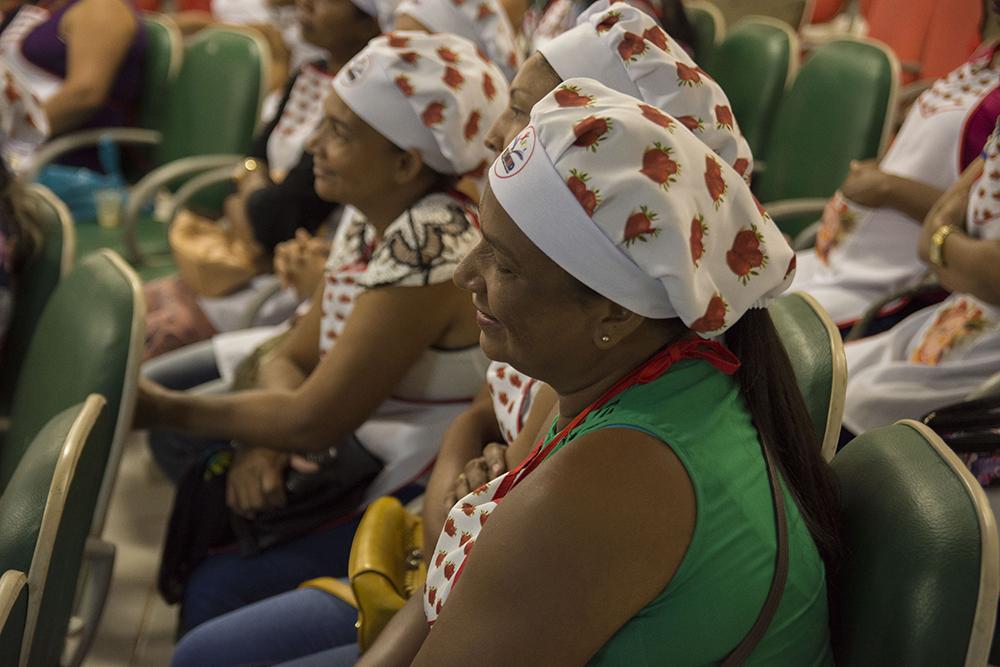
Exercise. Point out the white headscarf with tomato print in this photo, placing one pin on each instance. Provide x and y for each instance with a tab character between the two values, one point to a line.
636	207
484	22
628	51
432	93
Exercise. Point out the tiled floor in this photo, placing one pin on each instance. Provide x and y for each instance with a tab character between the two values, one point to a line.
137	627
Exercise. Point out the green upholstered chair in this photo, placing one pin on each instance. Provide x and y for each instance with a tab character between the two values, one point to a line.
839	108
205	120
42	526
13	612
709	28
51	262
89	340
919	582
211	115
754	63
164	54
816	351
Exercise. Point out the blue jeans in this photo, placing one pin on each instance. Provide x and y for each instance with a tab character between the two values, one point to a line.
229	581
285	627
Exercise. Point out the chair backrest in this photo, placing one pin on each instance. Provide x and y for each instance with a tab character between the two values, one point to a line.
933	38
754	63
13	612
89	340
214	103
38	280
709	27
919	582
816	351
40	528
839	108
164	53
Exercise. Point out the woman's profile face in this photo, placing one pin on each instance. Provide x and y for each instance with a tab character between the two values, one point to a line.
533	81
335	25
352	163
531	313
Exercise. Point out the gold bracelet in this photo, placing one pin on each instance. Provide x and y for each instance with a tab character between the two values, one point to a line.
936	252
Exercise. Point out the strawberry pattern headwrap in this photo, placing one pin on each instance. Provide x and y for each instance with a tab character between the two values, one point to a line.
382	11
433	93
632	204
483	22
628	51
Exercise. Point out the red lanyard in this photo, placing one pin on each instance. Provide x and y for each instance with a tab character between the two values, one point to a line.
689	348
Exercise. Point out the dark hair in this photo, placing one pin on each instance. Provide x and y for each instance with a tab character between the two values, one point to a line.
768	385
17	219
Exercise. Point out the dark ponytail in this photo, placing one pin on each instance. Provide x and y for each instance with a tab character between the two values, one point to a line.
768	385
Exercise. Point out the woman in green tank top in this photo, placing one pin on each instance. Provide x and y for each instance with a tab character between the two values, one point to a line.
629	268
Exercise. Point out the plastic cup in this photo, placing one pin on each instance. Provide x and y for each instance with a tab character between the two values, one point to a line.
109	207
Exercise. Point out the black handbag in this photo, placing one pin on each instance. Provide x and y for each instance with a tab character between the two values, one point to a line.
969	427
314	499
201	521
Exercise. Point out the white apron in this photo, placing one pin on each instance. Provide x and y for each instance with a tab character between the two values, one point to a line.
878	254
26	87
939	354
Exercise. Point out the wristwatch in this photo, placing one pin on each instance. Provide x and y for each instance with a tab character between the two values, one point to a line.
246	167
936	252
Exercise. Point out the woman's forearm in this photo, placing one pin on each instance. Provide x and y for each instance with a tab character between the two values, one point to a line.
272	418
972	267
911	198
401	639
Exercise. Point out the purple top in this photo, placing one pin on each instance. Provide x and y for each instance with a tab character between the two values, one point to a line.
44	48
980	122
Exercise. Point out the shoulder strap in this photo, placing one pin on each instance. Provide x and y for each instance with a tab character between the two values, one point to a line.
743	650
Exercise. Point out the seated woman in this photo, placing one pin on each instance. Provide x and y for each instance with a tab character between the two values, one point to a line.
55	56
652	449
387	351
650	483
940	354
584	51
869	230
274	185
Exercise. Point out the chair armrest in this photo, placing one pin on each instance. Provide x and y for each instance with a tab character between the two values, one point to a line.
250	314
806	239
989	388
12	583
196	185
146	189
52	150
788	214
789	207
